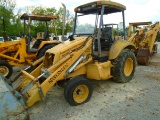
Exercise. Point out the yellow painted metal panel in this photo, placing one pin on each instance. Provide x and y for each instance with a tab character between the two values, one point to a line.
99	71
118	46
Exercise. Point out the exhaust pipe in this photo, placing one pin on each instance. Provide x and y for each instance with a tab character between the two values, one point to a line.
63	20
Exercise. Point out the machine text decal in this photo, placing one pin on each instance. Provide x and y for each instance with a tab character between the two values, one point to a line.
58	73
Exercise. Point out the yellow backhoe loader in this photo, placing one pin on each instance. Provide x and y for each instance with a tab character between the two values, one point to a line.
75	61
134	26
21	52
143	35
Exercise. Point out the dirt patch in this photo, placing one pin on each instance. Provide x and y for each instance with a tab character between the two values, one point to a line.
156	64
153	75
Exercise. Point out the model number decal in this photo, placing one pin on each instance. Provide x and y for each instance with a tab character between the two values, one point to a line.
58	73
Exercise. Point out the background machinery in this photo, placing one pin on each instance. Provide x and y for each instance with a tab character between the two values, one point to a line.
74	61
134	26
22	52
143	35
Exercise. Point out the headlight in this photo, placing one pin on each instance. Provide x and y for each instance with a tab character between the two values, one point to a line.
79	9
94	5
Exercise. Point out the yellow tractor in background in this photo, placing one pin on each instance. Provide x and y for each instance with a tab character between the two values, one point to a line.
5	68
143	36
75	62
134	26
22	52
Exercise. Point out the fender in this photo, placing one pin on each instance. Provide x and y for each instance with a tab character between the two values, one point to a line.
118	46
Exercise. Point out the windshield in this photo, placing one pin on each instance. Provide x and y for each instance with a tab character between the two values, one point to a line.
85	24
1	39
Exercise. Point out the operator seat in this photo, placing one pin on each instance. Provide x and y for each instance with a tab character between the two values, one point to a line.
28	43
38	41
106	42
106	38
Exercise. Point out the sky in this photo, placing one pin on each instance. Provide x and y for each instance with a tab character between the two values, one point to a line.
136	10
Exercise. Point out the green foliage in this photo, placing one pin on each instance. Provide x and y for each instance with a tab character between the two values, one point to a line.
5	14
14	25
115	32
69	22
57	23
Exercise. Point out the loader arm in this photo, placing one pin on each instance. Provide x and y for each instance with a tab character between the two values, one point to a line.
34	91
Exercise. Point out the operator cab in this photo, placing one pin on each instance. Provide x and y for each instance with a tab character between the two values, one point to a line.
91	20
36	19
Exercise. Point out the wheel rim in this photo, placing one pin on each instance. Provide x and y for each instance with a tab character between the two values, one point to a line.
81	93
4	70
128	68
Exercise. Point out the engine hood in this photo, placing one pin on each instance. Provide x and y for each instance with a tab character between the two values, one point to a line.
66	47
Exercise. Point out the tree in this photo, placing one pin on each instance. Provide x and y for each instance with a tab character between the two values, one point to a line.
6	14
69	22
39	26
14	25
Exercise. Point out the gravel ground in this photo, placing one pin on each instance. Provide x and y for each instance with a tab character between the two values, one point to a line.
138	99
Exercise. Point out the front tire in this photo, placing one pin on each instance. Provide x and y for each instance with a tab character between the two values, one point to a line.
124	66
78	91
6	69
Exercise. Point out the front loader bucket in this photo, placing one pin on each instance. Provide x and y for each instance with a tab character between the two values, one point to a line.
11	103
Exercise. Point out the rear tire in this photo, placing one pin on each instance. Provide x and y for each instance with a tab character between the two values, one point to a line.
6	69
124	66
78	91
41	53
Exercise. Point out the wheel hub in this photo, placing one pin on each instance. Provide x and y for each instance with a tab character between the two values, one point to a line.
4	70
78	92
81	93
128	68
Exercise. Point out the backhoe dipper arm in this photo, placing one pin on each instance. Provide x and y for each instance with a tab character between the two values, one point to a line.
143	38
137	37
150	37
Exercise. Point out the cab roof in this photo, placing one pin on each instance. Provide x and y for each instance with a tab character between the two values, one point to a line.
110	24
93	7
39	17
140	23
